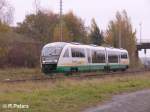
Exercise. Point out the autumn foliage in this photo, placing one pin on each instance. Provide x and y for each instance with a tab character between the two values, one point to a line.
120	34
20	46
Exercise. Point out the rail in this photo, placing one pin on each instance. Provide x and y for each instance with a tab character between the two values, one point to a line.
79	76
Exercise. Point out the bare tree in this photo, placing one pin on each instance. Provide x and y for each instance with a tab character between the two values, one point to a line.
36	6
6	12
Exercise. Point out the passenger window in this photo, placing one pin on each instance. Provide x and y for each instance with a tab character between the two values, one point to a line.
78	52
113	58
124	56
66	54
98	56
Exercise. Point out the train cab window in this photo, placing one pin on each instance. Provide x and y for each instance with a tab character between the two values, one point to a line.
98	56
124	56
113	58
66	54
78	52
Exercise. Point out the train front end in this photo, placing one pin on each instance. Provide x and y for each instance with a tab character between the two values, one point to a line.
50	56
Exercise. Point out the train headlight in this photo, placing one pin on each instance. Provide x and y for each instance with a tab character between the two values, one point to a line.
43	59
49	61
55	61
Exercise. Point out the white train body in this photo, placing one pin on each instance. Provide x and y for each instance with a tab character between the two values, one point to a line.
66	57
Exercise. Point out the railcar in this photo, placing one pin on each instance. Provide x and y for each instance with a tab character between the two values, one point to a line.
61	57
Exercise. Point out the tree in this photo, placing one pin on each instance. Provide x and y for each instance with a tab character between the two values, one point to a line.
96	35
44	26
39	26
76	27
65	33
4	27
17	50
121	34
6	16
6	12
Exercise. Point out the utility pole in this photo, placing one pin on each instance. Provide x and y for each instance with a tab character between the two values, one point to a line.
61	21
120	35
140	32
37	5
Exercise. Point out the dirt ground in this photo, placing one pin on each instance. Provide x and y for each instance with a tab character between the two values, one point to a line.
132	102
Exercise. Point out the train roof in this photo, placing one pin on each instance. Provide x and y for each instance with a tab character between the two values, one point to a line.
116	49
55	44
62	44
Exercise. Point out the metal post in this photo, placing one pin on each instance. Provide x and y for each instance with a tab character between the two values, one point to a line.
61	33
145	61
37	3
140	33
120	35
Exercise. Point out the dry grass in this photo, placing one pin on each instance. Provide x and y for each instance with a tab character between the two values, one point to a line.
14	73
69	95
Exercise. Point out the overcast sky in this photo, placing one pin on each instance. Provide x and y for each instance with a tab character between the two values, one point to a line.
102	10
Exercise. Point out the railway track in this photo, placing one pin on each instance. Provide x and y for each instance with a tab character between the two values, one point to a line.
79	76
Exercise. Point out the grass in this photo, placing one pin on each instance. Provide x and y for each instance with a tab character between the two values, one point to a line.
14	73
68	95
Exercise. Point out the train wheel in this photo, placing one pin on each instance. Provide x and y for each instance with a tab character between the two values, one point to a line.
114	70
107	69
68	73
123	70
74	69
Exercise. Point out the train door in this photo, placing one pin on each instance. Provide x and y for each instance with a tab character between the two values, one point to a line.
78	59
89	59
67	57
113	59
65	61
98	59
106	68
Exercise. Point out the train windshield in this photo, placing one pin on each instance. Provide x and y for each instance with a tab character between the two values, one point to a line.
52	51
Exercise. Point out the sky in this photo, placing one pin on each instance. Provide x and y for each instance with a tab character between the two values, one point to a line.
102	10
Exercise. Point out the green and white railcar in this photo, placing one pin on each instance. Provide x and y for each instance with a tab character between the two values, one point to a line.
74	57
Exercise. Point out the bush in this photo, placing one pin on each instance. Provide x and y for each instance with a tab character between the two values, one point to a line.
16	51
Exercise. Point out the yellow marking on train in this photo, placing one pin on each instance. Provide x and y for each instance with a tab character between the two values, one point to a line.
124	62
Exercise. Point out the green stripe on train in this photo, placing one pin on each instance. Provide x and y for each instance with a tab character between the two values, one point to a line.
116	66
90	67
